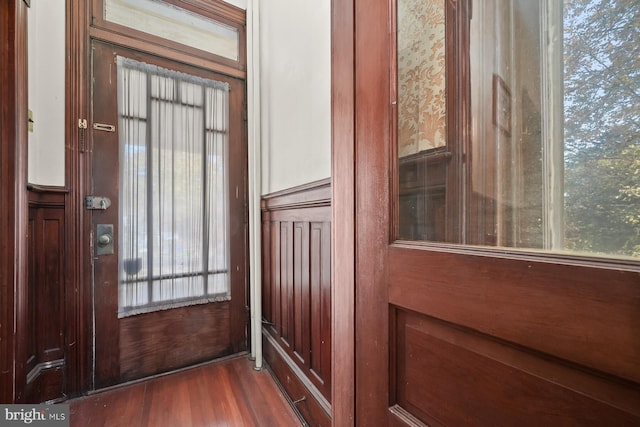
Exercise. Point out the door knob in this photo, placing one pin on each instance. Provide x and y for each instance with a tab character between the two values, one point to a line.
104	240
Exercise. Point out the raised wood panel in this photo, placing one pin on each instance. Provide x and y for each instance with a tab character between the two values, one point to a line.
169	339
297	278
519	300
46	356
441	369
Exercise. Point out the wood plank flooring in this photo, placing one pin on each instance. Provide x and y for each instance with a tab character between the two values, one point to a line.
227	393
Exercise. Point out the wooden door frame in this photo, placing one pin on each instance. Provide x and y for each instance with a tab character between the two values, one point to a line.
360	158
13	199
373	153
343	278
78	229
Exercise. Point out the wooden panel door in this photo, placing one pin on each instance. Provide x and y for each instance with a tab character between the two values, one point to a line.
139	345
457	335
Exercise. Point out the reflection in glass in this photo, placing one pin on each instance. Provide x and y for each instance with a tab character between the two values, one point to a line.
519	123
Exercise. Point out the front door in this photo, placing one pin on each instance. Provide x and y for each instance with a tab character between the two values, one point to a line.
497	269
169	222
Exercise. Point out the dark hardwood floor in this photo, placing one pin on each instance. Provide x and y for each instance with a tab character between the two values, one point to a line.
227	393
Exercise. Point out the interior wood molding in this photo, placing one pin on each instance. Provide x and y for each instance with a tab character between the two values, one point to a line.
220	8
304	396
13	199
313	194
160	50
343	167
79	329
372	197
37	188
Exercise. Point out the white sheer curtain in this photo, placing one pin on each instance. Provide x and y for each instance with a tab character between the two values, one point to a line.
173	232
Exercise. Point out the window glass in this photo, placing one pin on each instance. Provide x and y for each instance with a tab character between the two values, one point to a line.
173	23
174	220
519	124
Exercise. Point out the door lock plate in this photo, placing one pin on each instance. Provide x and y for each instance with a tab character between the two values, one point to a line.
104	239
97	203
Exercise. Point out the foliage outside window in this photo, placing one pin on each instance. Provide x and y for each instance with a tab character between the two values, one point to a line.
545	151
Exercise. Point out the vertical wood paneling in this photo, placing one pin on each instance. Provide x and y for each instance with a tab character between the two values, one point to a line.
305	295
275	278
298	254
285	282
45	351
50	301
324	351
297	233
315	252
266	268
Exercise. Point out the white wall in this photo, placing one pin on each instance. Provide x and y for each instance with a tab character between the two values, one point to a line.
46	58
242	4
295	63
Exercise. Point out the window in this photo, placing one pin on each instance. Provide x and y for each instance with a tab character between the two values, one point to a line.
519	125
174	23
174	209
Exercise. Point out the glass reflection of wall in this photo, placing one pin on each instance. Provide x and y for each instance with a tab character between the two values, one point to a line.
422	118
546	154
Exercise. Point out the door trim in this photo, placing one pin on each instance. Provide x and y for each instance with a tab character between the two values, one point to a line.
343	213
13	196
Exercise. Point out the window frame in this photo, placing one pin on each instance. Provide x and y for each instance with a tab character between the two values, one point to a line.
215	10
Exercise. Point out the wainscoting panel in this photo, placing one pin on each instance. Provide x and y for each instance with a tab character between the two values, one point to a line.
46	358
296	288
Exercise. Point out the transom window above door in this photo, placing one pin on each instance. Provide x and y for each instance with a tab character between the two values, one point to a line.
212	32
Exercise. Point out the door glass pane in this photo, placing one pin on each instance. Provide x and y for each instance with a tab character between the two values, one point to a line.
165	20
533	139
174	244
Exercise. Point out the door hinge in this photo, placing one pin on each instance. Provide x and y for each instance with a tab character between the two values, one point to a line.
82	125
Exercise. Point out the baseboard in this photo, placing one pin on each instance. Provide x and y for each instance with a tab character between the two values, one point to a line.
306	398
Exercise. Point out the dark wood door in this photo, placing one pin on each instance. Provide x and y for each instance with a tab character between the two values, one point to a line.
180	334
457	335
